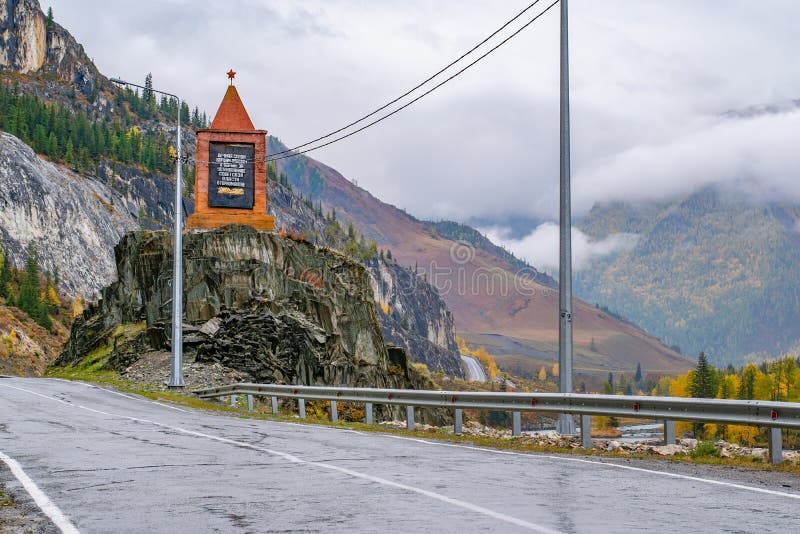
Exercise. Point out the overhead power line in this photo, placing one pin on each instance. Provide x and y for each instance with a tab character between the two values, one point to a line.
422	83
285	154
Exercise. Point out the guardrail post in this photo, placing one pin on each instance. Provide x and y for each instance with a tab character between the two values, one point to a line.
249	403
301	404
334	412
368	413
233	400
410	417
458	425
274	405
586	431
775	445
516	423
669	432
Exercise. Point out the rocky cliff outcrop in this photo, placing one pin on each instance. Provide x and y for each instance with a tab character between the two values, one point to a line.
277	309
73	221
414	316
29	44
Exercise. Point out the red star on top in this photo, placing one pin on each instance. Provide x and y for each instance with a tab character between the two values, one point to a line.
231	75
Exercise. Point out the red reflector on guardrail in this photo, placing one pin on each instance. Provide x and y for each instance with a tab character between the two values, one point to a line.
453	398
636	407
533	402
390	397
773	414
338	393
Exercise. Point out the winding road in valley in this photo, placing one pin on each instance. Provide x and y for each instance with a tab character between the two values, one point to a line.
474	369
96	460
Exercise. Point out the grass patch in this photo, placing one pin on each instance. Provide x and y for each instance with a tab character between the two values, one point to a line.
705	449
5	500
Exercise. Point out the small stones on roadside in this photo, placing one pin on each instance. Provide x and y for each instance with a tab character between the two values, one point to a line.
552	439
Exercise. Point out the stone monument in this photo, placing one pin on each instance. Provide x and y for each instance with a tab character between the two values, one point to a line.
231	169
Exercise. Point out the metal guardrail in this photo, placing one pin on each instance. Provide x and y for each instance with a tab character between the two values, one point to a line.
774	415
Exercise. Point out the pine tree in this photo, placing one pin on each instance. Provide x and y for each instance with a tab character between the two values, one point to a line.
29	287
147	94
196	118
69	153
702	383
185	113
42	315
747	383
638	376
5	276
49	17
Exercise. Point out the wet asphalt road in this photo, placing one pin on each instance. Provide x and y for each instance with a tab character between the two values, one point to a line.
120	464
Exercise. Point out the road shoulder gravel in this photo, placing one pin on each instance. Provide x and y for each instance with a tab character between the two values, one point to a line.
18	513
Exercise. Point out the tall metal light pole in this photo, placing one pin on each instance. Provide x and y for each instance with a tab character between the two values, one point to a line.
176	373
565	425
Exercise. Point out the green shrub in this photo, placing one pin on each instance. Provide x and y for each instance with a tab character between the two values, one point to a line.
705	448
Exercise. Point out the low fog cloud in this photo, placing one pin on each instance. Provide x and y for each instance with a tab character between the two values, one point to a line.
758	156
540	247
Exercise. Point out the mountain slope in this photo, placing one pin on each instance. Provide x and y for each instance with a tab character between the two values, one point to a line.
488	291
70	220
712	271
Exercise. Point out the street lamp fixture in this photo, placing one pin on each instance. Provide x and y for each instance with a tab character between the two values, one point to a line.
176	374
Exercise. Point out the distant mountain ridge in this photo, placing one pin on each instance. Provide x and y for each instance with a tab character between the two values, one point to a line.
712	271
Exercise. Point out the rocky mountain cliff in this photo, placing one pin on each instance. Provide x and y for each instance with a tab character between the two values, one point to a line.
279	310
712	271
32	44
73	221
413	316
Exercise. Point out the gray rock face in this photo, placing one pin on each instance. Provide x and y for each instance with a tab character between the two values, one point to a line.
28	45
72	220
414	317
279	310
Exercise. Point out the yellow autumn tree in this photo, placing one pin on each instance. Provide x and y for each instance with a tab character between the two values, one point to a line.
555	369
680	386
51	297
76	309
487	360
728	387
543	374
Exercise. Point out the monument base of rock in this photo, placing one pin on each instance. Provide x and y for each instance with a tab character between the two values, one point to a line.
279	310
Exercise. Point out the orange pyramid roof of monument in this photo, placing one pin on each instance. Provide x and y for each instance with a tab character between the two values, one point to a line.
231	114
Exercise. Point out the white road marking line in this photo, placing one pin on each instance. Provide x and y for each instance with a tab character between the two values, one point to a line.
42	501
119	393
37	394
604	464
356	474
166	405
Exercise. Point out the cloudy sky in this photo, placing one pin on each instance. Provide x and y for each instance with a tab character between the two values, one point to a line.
667	95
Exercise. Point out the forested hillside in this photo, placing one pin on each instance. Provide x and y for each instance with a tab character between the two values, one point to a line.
714	271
